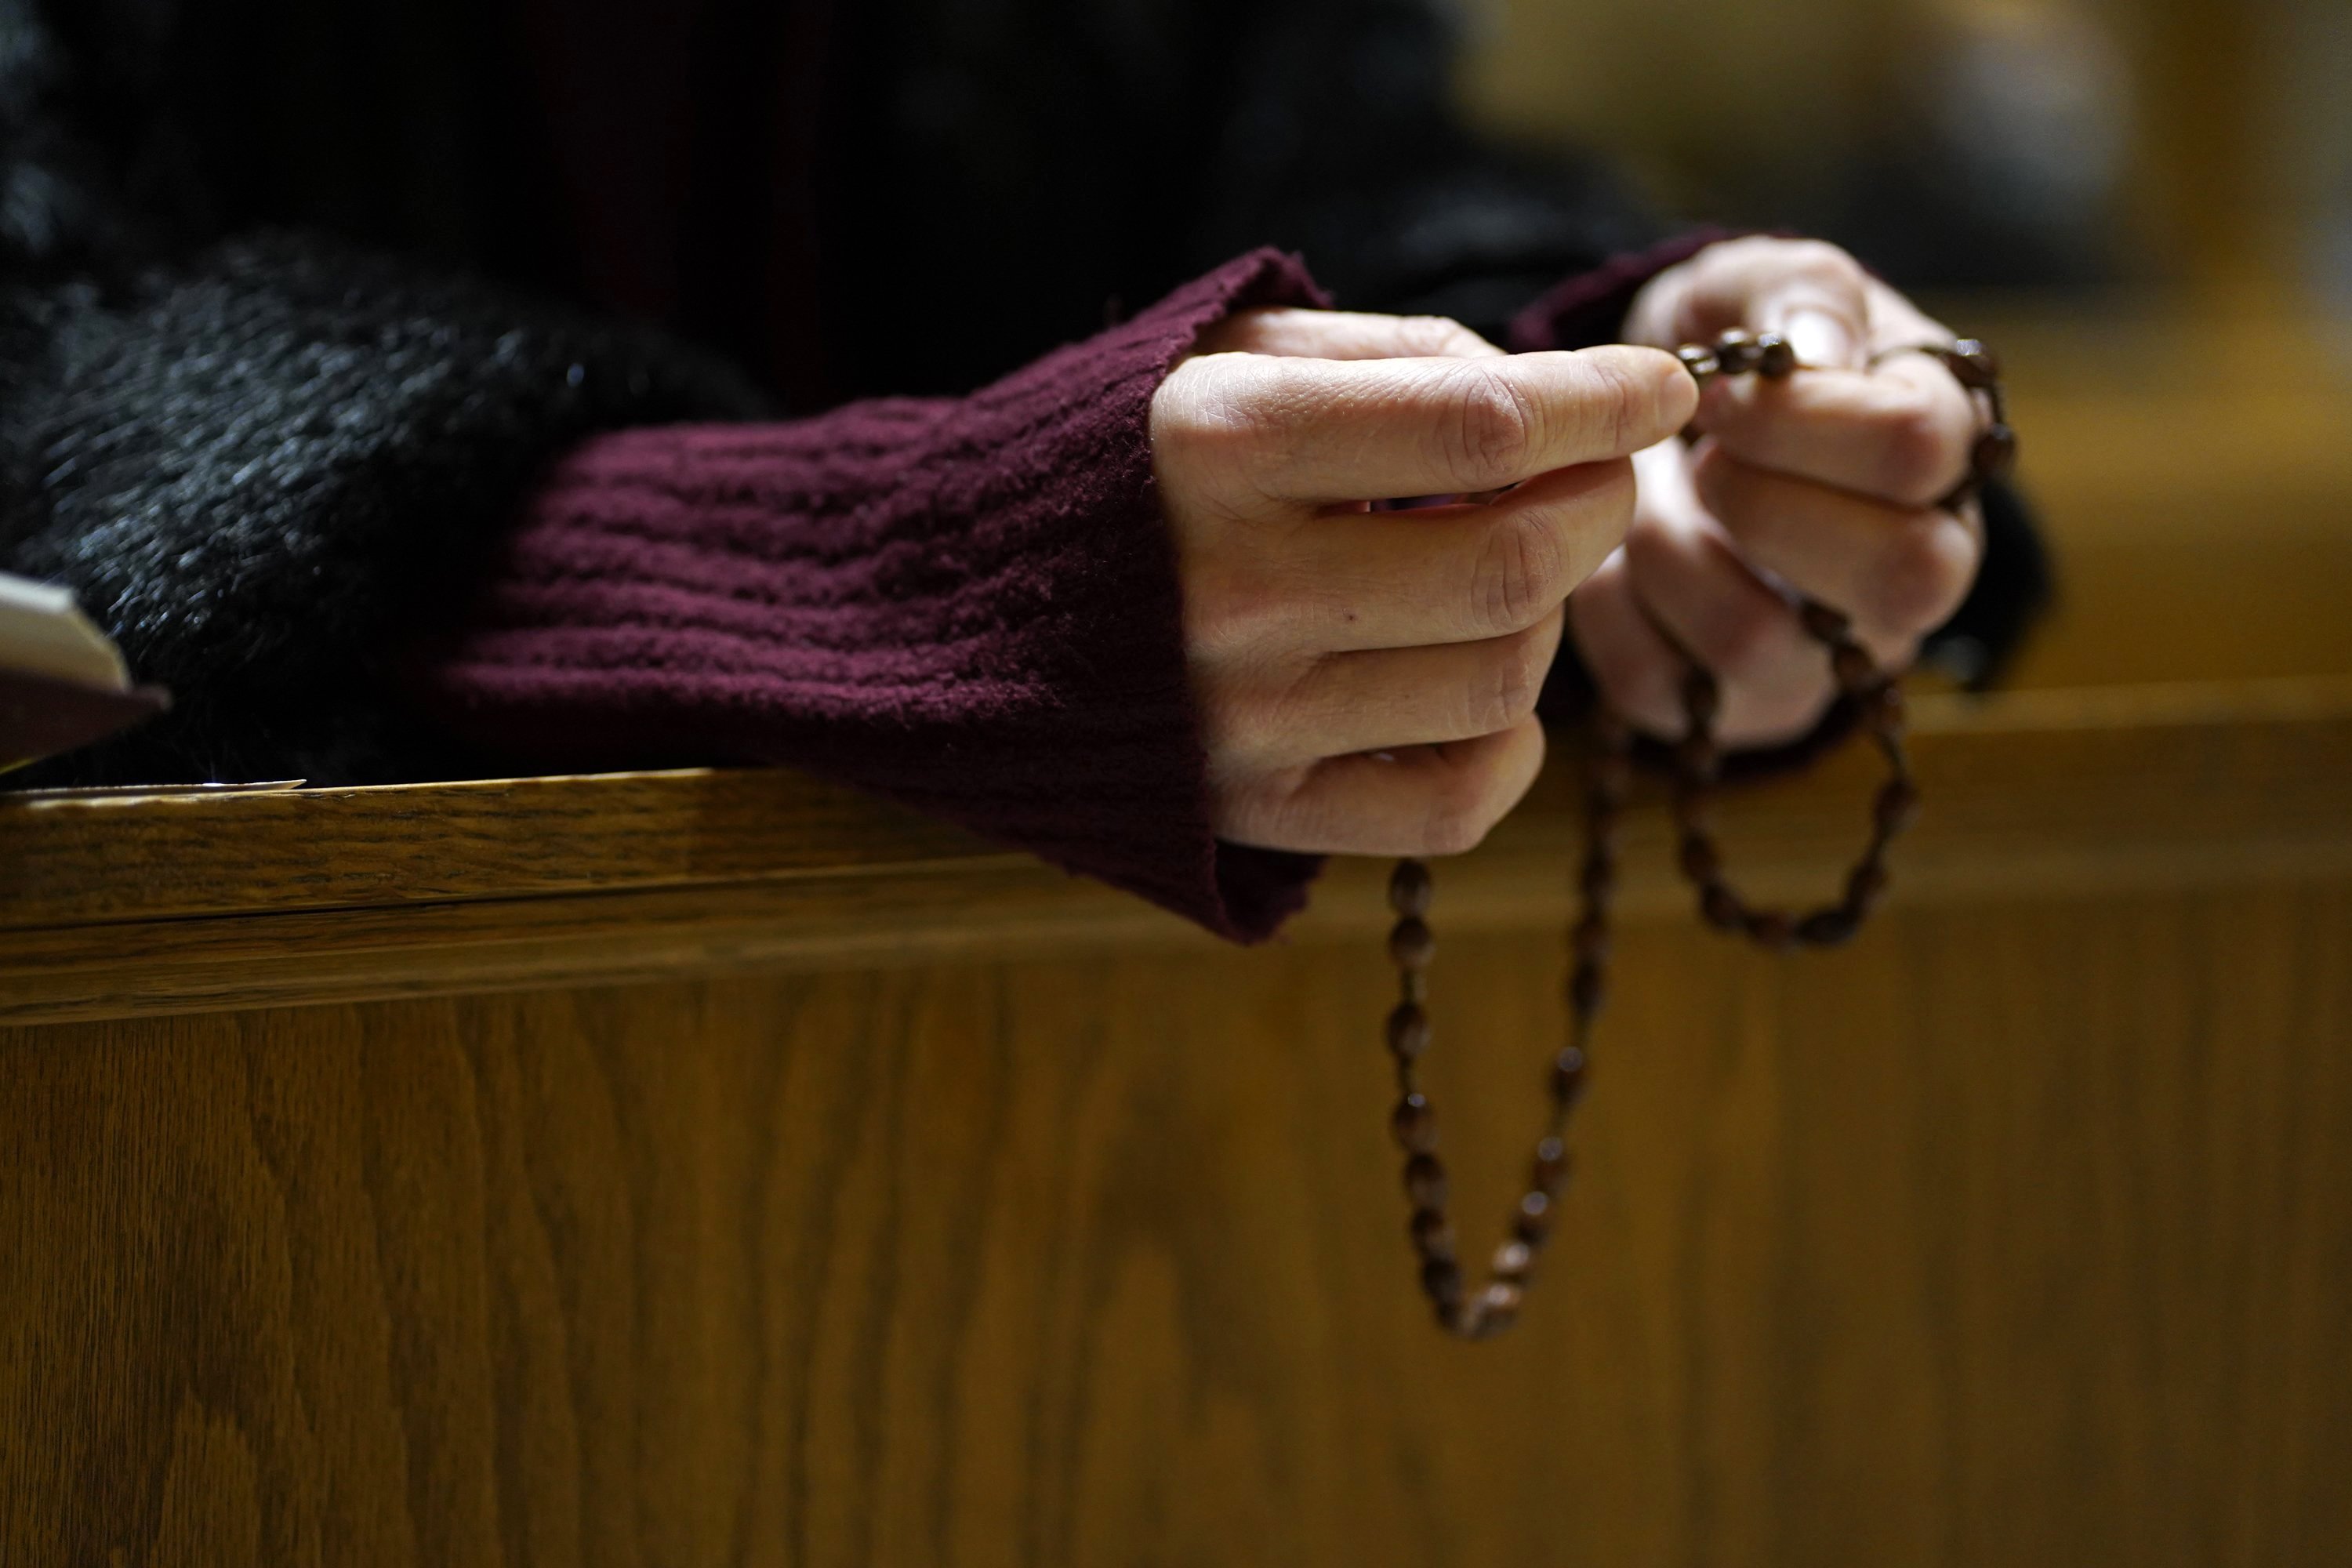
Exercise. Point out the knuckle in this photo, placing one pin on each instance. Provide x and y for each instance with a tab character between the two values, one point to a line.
1509	680
1519	575
1487	429
1463	809
1920	579
1919	457
1827	262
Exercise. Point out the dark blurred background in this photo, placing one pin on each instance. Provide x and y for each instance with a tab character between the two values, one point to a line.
2145	204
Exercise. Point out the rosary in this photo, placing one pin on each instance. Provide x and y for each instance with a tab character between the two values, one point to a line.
1877	701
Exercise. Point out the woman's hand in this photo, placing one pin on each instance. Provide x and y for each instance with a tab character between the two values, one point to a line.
1367	679
1825	483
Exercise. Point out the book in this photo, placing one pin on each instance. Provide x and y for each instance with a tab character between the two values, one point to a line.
63	683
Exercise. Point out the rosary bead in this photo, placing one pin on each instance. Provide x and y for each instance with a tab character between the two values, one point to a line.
1512	1261
1897	804
1734	352
1600	876
1533	1223
1441	1280
1407	1030
1432	1234
1410	888
1721	907
1772	930
1886	709
1853	666
1864	886
1588	988
1548	1169
1825	624
1994	454
1592	940
1425	1182
1831	927
1568	1076
1776	358
1612	776
1700	861
1700	361
1702	697
1414	1122
1972	364
1411	944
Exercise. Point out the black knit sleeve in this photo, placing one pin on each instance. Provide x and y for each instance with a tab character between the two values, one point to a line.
265	468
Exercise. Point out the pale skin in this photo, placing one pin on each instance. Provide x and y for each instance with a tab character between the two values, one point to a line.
1367	679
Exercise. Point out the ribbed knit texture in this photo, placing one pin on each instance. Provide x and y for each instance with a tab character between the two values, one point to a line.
966	604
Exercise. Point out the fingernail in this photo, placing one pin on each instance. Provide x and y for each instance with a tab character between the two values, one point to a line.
1819	338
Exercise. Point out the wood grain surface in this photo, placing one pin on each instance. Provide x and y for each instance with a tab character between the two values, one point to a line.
2036	793
2013	1234
896	1202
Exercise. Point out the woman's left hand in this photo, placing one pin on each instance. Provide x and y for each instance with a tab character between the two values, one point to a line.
1825	483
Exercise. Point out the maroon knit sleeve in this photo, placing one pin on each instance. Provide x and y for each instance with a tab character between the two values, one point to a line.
967	605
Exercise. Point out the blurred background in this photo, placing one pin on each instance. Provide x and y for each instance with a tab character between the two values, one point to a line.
2145	206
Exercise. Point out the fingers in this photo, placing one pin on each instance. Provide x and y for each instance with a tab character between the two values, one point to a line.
1350	581
1344	334
1902	433
1813	293
1425	800
1897	571
1251	429
1383	698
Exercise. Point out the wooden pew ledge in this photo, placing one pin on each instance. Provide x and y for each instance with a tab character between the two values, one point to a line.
436	889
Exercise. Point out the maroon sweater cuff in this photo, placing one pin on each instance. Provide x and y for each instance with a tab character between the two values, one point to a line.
967	605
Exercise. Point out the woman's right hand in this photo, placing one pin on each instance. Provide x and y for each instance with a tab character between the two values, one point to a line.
1367	680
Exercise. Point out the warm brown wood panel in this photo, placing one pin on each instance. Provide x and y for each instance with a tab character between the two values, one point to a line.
2043	793
2013	1234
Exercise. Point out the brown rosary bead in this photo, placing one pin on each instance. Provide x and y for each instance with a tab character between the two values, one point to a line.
1432	1234
1425	1182
1721	907
1865	887
1853	667
1831	927
1567	1070
1411	944
1441	1280
1884	710
1972	364
1548	1169
1776	357
1588	988
1407	1030
1826	624
1700	361
1735	353
1513	1261
1994	454
1410	888
1896	807
1591	939
1700	862
1599	878
1415	1123
1771	929
1534	1225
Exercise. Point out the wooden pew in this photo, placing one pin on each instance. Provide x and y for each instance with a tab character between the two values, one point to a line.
716	1168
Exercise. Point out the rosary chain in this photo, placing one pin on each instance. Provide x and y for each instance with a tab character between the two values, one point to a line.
1695	765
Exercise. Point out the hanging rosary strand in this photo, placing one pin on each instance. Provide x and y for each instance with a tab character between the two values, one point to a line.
1696	767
